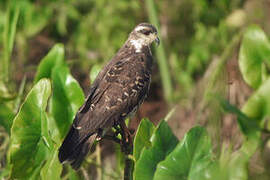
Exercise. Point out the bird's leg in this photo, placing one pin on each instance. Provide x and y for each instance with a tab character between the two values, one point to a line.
126	143
113	138
118	130
99	135
126	138
125	132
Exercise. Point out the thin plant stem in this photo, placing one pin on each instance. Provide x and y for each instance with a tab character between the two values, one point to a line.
12	16
129	164
20	95
99	170
161	57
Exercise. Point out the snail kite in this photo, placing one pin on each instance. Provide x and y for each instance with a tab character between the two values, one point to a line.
119	89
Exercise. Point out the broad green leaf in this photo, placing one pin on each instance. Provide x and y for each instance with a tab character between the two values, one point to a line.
163	142
53	168
254	52
258	105
28	150
54	58
142	138
66	99
189	159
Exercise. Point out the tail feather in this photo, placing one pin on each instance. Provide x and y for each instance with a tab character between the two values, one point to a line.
80	153
74	152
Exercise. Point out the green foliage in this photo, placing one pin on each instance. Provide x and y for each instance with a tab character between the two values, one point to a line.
29	133
142	138
9	36
248	125
189	159
67	96
257	107
94	72
204	45
52	169
254	56
163	142
6	116
66	99
54	58
6	105
34	17
39	127
163	66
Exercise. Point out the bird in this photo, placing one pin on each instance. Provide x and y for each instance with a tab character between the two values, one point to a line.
117	92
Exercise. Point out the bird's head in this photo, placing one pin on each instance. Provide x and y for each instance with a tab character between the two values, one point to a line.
143	34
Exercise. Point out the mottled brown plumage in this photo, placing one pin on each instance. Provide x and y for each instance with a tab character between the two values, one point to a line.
119	89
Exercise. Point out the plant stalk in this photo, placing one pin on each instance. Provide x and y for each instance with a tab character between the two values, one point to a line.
129	164
161	57
11	20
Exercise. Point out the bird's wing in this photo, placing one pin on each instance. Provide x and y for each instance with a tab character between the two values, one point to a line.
120	91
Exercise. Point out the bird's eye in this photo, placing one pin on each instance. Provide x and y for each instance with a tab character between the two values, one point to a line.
145	32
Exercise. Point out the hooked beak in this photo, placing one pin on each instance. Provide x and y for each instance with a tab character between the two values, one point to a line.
157	41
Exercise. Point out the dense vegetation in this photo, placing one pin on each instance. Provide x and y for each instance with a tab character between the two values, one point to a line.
211	79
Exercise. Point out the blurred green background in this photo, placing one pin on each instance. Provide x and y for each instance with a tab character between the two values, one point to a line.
198	56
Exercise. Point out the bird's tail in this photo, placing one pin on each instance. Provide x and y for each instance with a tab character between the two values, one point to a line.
73	152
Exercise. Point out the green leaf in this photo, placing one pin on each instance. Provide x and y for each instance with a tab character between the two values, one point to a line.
258	105
72	174
190	158
6	116
27	148
232	165
142	138
236	168
66	99
54	58
248	126
254	52
238	165
163	142
53	168
94	72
